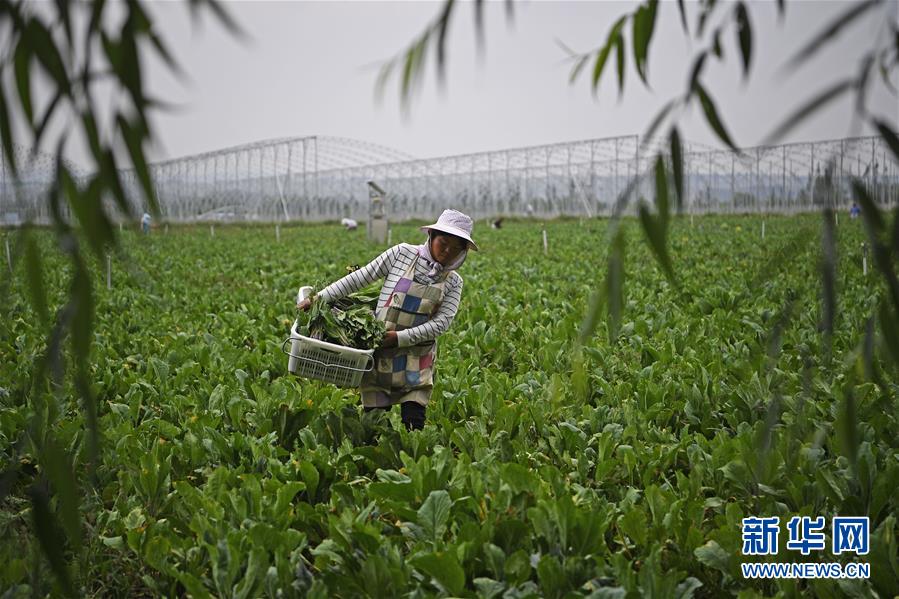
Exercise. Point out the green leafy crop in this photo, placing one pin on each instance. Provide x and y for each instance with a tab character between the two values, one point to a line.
349	321
553	463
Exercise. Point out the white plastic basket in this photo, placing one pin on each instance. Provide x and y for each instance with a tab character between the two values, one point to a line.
315	359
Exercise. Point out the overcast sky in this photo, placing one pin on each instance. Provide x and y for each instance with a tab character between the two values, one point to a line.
307	70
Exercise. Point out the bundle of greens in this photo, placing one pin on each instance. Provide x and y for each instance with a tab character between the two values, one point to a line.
349	321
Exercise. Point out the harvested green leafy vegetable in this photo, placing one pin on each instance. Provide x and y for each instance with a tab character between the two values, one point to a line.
349	321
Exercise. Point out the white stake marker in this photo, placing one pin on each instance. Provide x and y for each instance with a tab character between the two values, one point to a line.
8	255
545	244
120	226
278	233
389	236
212	230
865	259
763	229
108	271
691	220
166	229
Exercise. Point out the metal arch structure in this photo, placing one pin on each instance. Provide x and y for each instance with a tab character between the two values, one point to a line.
580	177
23	197
324	178
791	178
272	180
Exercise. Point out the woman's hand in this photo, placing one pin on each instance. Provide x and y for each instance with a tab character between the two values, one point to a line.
390	340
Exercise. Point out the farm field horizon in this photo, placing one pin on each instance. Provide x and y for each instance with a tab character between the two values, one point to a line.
622	468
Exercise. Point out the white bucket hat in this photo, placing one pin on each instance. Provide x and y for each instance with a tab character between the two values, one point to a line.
455	223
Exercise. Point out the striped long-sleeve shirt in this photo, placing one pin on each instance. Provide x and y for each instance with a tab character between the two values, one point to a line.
391	265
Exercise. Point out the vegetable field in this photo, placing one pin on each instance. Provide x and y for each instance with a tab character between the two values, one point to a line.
619	469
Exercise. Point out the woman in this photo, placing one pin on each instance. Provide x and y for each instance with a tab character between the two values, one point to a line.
418	301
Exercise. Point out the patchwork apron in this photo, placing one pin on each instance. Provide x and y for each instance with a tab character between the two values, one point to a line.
405	373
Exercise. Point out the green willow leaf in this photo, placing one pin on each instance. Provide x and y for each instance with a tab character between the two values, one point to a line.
640	40
44	48
870	212
876	228
9	154
224	17
578	67
46	529
603	54
442	28
83	312
130	72
88	209
677	167
598	66
620	52
62	9
614	284
652	8
656	227
711	116
828	272
41	127
717	50
479	22
35	276
661	179
23	79
855	11
889	136
113	52
889	326
89	126
658	120
112	180
383	78
696	71
58	467
744	36
167	57
409	72
134	138
683	16
708	6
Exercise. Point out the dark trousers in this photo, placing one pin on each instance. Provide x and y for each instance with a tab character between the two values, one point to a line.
413	414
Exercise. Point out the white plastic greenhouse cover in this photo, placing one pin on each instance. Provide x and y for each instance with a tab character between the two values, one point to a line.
324	178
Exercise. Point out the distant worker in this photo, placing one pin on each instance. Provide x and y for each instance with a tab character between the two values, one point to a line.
529	210
145	221
498	223
349	223
418	302
855	211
